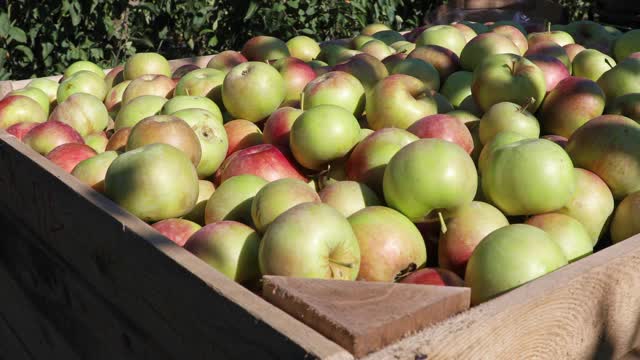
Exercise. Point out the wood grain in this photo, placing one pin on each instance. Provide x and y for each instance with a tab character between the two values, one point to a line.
588	309
148	296
364	316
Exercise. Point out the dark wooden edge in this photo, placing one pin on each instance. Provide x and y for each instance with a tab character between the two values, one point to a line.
128	262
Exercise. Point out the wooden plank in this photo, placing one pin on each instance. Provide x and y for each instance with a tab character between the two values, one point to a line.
8	86
588	309
364	316
168	295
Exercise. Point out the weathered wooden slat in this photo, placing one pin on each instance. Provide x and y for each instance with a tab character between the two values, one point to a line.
165	294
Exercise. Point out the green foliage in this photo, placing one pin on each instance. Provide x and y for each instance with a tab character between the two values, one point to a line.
39	38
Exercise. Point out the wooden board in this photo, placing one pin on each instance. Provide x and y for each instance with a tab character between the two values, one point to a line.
589	309
108	278
364	316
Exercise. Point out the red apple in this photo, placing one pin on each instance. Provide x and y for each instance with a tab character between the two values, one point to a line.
67	156
176	230
278	126
21	129
573	50
113	100
433	276
560	140
158	85
184	70
118	141
262	48
242	134
483	46
444	60
366	68
226	60
391	61
550	48
84	112
114	77
296	74
266	161
513	34
48	135
553	69
18	108
335	88
444	127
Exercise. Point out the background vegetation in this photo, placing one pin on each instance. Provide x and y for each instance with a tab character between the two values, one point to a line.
39	38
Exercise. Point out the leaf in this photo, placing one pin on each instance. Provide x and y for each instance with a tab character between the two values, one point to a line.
253	7
47	48
4	25
17	34
26	51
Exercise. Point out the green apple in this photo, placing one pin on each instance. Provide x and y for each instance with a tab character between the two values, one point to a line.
591	64
146	63
252	91
560	37
82	82
158	85
377	49
627	105
202	82
232	199
264	48
334	54
366	68
182	102
442	59
483	46
97	141
421	70
507	116
360	40
517	178
93	170
623	79
322	134
508	77
446	36
569	233
499	140
388	36
337	88
457	87
49	87
349	196
428	175
113	100
303	48
374	28
225	61
403	46
310	240
509	257
36	94
627	44
626	222
138	109
83	66
206	189
84	112
513	34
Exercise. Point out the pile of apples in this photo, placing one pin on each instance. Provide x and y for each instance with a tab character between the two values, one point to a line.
503	155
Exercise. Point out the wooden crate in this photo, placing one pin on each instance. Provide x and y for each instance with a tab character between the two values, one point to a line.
83	278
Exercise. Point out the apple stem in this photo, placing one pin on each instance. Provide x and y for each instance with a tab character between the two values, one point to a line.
513	68
526	106
302	100
187	91
608	62
548	26
347	265
443	225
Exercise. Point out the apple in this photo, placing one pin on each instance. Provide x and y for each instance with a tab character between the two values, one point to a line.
158	85
118	141
549	48
229	247
296	74
398	101
176	230
349	197
232	199
592	204
627	44
276	197
446	36
263	48
466	30
627	105
83	66
278	126
513	34
561	38
507	116
391	61
567	232
211	135
206	189
360	40
15	109
93	170
635	55
138	109
433	276
97	141
625	223
202	82
114	76
479	28
553	70
148	63
591	64
366	68
34	93
303	48
427	175
226	60
48	86
320	67
325	247
183	70
508	77
242	134
322	134
387	235
494	24
483	46
560	140
82	82
336	88
48	135
266	161
590	35
84	112
421	70
525	164
457	88
21	129
442	59
183	102
368	160
333	54
113	100
67	156
388	36
570	105
509	257
466	226
445	127
500	139
374	28
573	50
609	145
377	49
253	90
403	46
623	79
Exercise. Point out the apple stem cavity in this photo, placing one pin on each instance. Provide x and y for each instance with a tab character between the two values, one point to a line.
524	107
443	225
